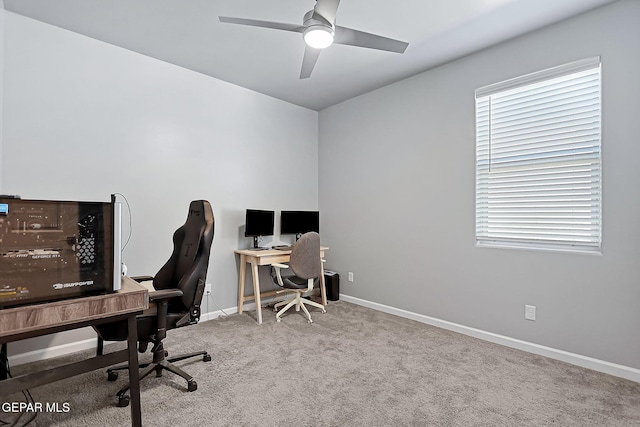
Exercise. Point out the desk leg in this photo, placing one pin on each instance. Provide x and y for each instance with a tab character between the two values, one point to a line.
256	289
241	278
323	289
4	362
134	374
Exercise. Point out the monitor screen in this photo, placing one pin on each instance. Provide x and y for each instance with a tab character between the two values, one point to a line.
51	250
299	222
259	223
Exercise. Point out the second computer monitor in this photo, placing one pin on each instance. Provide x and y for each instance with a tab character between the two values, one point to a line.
299	222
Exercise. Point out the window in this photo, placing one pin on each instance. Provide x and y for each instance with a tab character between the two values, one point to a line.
538	160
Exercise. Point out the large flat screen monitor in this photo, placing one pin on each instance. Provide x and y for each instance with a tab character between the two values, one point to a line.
258	223
299	222
51	250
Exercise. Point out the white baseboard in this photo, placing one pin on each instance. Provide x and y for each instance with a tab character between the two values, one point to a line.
55	351
621	371
205	317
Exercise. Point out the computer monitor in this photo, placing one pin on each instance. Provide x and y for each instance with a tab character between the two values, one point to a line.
50	250
299	222
258	223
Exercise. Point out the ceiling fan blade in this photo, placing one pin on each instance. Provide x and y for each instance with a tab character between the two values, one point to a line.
265	24
309	61
327	9
352	37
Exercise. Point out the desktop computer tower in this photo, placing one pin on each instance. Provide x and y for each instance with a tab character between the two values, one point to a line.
51	250
332	285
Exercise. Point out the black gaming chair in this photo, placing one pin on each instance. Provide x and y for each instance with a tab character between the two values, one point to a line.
179	286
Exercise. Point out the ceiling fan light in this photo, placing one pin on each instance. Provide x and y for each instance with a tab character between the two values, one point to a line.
318	36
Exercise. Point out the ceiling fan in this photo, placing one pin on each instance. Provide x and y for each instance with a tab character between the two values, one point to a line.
320	31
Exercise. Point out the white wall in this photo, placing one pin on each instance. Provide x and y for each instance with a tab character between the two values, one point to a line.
397	191
84	119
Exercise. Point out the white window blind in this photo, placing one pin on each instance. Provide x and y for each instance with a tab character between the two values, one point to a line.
538	159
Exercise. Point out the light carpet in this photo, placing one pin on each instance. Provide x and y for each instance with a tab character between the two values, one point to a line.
353	366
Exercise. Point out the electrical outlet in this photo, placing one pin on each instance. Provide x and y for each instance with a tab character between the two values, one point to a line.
350	276
530	312
207	288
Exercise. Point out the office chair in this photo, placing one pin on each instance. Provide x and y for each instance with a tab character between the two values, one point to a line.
306	265
179	286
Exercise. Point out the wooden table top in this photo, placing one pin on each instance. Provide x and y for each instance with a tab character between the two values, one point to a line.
41	317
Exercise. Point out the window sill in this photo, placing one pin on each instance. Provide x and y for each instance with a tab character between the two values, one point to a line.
540	247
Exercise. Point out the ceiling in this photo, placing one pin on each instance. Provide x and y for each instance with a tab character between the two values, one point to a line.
187	33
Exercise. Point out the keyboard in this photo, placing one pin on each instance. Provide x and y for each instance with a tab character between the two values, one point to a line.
283	248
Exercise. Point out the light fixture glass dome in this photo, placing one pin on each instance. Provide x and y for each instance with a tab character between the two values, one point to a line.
318	36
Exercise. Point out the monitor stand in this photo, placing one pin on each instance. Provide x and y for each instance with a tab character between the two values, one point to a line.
255	245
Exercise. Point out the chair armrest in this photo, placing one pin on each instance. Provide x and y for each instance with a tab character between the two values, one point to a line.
142	278
161	297
277	267
164	294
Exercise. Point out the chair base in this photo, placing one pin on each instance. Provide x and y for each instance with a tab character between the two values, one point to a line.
299	303
157	366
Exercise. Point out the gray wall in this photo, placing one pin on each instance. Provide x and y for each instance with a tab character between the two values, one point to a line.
397	189
84	119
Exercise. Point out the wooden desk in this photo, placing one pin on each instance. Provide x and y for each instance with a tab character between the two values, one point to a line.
265	257
41	319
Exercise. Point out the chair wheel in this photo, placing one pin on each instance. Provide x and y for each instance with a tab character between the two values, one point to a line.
123	401
206	358
112	376
278	320
192	385
324	311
